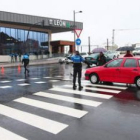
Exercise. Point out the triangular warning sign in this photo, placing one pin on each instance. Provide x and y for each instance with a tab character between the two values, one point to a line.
78	32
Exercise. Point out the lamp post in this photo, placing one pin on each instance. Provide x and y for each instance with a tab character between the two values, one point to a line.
74	13
42	23
113	33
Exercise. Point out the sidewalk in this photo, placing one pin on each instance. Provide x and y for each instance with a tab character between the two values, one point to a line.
33	62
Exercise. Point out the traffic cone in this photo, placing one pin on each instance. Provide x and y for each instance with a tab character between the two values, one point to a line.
19	68
2	69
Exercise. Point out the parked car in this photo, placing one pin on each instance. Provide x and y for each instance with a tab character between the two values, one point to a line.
136	51
92	58
113	54
120	70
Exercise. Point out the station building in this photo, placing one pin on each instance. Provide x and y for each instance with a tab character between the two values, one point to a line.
21	33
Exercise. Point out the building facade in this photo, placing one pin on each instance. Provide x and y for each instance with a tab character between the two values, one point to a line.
25	33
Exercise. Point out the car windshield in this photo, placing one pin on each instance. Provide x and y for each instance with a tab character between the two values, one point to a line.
137	48
82	53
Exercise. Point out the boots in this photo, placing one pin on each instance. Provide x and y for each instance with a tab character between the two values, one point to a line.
74	87
80	87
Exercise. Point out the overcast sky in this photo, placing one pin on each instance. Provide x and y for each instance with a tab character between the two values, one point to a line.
99	17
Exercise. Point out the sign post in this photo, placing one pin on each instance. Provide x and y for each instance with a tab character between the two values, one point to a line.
78	42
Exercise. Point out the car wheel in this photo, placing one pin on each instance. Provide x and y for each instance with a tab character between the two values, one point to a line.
137	82
94	79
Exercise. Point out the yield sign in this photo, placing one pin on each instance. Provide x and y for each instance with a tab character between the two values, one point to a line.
78	32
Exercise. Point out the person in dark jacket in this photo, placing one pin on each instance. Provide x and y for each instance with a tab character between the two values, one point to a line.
101	60
77	69
25	61
128	54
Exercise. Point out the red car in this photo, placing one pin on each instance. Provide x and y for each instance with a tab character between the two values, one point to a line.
120	70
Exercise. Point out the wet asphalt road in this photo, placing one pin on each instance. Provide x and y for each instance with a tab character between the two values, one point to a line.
114	113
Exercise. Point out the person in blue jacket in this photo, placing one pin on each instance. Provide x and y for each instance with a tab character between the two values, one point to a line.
77	69
25	61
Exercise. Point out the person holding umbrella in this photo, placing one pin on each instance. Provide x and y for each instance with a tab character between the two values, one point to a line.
128	54
101	60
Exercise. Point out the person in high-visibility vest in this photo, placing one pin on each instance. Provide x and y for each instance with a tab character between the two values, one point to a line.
77	69
25	61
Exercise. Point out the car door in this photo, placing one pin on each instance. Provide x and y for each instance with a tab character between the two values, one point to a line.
129	71
111	71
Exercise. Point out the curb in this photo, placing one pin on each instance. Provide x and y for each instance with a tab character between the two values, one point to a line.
32	63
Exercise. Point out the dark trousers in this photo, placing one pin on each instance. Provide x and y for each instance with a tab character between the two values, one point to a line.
75	72
25	67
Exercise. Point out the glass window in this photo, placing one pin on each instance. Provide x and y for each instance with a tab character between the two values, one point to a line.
115	63
3	29
22	37
8	31
130	63
13	33
26	35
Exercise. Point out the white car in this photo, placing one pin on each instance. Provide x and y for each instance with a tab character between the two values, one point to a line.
67	58
136	51
113	54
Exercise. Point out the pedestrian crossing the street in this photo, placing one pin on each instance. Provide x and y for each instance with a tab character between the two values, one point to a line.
59	100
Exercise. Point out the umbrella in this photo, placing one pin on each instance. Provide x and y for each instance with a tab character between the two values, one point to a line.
126	48
97	50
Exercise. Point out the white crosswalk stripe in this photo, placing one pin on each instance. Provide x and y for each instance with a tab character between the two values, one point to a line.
104	86
99	89
69	91
63	93
34	120
53	107
69	99
7	135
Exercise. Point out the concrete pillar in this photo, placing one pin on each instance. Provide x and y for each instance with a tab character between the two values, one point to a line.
72	49
49	44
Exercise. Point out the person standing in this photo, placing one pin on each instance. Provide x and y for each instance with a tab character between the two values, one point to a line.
101	60
77	69
128	54
25	61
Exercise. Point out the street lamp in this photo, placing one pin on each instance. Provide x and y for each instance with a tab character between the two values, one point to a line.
75	26
42	23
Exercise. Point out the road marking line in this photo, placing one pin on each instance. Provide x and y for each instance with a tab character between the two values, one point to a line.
34	78
25	84
20	79
104	90
40	82
69	91
106	86
69	99
5	81
54	80
5	86
34	120
47	77
7	135
52	107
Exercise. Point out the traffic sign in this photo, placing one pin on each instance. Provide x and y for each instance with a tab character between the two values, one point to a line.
78	32
78	41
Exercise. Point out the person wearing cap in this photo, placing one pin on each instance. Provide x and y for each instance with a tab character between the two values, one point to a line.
25	61
77	69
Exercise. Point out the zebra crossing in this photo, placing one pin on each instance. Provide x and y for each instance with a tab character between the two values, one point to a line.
64	94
